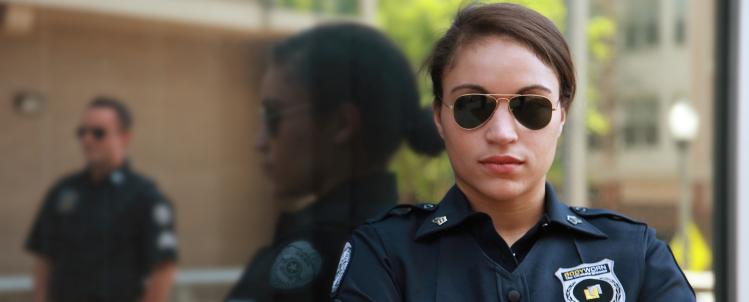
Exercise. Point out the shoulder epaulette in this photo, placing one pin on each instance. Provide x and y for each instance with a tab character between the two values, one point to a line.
404	209
604	213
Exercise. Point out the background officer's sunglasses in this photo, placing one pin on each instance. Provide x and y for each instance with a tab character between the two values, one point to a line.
98	133
471	111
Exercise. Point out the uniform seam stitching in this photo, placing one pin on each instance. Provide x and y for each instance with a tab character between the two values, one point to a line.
388	255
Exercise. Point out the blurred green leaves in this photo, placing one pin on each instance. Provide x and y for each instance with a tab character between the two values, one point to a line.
325	7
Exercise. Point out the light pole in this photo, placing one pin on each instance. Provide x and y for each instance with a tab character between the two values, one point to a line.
683	122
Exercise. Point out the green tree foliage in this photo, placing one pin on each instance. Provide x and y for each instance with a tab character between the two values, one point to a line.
601	34
324	7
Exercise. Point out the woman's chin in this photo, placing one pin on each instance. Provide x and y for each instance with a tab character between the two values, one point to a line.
503	189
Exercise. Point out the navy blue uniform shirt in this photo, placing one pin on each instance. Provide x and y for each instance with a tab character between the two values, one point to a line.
103	239
448	252
300	263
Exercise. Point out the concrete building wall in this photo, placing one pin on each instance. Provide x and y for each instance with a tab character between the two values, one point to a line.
643	181
193	92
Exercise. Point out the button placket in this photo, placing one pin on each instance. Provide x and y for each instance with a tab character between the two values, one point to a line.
511	288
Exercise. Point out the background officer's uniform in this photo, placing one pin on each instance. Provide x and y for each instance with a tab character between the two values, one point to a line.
300	263
102	240
451	253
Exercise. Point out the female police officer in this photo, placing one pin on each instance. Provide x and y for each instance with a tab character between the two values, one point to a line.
338	100
503	81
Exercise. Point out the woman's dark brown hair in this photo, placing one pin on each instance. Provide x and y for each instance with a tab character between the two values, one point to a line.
522	24
346	62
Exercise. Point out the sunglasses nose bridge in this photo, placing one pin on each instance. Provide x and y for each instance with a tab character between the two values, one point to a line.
497	107
498	101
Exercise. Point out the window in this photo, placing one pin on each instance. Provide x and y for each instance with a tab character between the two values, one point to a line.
642	25
641	123
680	30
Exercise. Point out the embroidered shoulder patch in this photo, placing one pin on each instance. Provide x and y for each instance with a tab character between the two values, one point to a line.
295	266
162	215
591	282
67	201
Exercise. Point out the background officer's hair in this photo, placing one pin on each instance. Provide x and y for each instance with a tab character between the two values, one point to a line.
351	63
124	118
522	24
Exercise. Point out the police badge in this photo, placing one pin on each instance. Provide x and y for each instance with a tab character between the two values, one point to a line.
591	282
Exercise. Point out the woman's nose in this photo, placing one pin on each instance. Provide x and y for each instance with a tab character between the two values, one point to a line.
501	128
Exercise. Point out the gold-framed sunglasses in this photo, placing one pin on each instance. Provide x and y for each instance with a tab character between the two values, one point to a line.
473	110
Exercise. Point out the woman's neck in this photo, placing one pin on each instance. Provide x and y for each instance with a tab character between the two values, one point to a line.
512	218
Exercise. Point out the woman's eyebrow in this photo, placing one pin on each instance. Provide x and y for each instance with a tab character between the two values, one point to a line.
469	86
481	89
533	87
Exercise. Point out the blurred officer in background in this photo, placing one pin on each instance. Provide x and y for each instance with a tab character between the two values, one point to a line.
104	233
338	101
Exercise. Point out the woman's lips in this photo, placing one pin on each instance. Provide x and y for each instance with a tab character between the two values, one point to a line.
501	164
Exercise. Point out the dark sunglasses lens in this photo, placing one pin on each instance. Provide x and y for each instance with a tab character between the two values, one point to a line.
533	112
98	133
271	119
470	111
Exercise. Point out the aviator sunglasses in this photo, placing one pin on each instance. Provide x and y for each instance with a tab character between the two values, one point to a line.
471	111
98	133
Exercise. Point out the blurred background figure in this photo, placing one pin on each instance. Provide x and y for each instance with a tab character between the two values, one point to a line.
337	101
104	233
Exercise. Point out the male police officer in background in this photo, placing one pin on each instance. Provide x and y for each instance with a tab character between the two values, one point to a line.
105	233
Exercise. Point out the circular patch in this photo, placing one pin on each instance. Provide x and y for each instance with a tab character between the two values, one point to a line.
593	290
162	215
67	201
342	266
295	266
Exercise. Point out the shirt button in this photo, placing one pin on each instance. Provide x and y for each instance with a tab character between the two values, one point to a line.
513	295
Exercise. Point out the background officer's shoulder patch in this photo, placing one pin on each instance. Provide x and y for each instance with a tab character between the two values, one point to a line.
589	213
404	209
67	200
167	240
162	214
296	265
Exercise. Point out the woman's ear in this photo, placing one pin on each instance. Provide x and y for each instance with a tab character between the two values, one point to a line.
564	119
348	123
437	116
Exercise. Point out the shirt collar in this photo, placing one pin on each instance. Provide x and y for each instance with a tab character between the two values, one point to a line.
454	210
115	178
348	204
561	214
118	176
